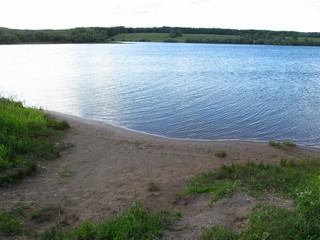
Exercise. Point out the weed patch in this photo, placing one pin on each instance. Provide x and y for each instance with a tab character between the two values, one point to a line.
46	213
219	233
9	224
66	174
221	154
299	180
286	145
135	223
152	187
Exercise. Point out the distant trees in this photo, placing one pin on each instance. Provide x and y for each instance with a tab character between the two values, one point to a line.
175	33
105	35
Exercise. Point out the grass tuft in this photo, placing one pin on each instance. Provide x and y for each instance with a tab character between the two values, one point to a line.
152	187
66	174
221	154
47	213
286	145
219	233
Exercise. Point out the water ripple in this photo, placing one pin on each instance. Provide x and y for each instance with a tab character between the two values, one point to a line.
196	91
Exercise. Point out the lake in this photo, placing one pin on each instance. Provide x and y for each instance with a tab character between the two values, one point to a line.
189	91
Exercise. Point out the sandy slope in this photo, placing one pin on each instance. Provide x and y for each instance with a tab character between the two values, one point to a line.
112	167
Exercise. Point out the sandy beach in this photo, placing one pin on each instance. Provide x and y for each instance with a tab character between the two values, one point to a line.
111	167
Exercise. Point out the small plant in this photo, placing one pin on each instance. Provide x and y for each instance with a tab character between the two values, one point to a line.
274	144
289	144
58	125
176	214
66	174
284	145
179	197
220	154
20	209
152	187
47	213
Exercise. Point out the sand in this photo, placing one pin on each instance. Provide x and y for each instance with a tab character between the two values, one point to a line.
110	167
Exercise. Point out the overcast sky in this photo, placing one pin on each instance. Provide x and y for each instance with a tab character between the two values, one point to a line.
297	15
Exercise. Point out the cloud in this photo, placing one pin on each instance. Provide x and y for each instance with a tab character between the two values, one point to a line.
245	14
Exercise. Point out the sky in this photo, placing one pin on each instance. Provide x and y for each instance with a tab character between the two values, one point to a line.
292	15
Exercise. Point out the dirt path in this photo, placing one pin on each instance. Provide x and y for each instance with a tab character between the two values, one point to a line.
109	168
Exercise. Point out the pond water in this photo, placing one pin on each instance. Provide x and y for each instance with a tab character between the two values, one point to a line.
189	91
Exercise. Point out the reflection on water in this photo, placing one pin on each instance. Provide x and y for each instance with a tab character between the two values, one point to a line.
197	91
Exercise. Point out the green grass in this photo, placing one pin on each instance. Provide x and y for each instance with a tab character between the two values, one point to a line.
26	134
219	233
286	145
136	223
256	178
153	187
47	213
162	37
298	180
272	222
10	224
221	154
66	174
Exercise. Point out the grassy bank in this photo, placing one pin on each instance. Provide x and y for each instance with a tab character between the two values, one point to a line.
26	136
213	38
297	180
164	37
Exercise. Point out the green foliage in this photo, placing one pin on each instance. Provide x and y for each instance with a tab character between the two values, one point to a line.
256	178
272	222
221	154
9	224
57	125
221	187
289	143
25	134
46	213
152	187
299	180
286	145
219	233
274	144
66	174
159	34
174	32
135	223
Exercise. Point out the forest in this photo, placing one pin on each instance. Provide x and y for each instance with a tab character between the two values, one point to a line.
167	34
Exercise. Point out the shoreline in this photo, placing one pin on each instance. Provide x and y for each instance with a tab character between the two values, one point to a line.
141	134
109	168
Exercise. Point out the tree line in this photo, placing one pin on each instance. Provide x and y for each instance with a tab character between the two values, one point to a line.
104	35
